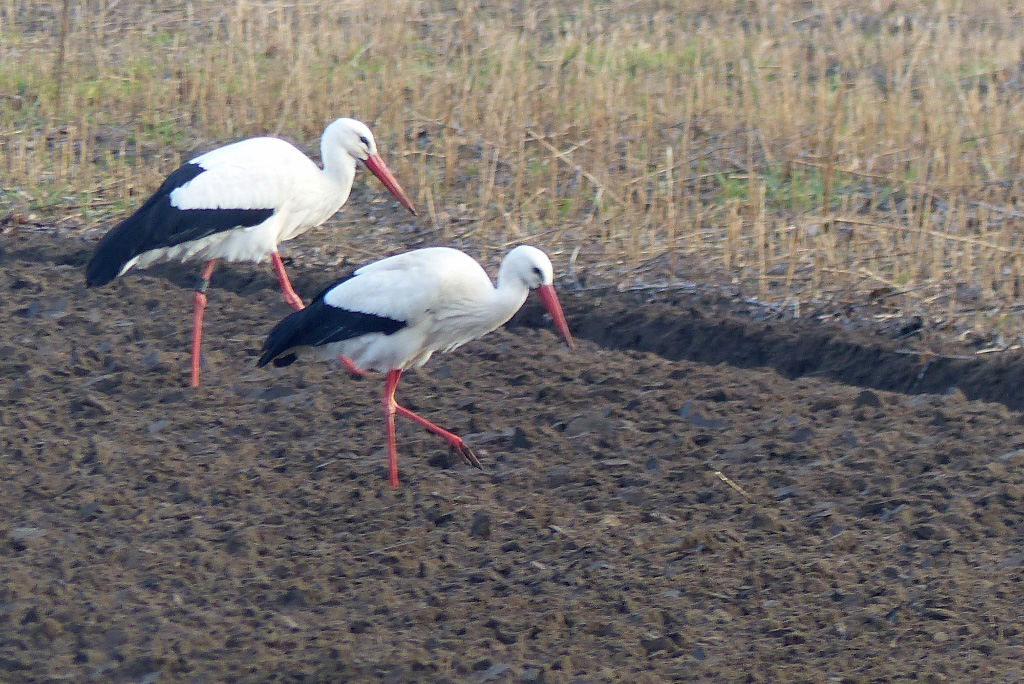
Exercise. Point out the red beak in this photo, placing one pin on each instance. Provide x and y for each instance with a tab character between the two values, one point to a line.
550	301
381	171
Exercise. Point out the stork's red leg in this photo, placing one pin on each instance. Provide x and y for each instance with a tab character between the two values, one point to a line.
353	370
454	441
290	296
391	407
199	305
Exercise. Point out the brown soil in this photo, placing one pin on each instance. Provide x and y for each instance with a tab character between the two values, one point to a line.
690	496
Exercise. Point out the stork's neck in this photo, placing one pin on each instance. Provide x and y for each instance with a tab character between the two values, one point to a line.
339	167
509	296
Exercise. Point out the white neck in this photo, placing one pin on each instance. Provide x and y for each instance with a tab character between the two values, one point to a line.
339	167
509	296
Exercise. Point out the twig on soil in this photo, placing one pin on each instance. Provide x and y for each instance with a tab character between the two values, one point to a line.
98	378
927	358
385	549
917	352
290	622
726	480
573	275
994	350
924	231
684	286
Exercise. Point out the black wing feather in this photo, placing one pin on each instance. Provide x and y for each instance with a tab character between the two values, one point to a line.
319	324
157	224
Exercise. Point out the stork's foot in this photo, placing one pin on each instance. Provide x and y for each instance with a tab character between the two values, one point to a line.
463	450
455	443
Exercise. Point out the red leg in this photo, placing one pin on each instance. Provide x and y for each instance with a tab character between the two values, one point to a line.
353	370
454	441
199	305
389	406
290	296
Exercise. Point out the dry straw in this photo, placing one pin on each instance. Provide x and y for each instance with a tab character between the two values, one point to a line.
804	150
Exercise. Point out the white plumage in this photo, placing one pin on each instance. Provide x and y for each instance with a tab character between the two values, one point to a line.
444	297
395	313
238	203
259	173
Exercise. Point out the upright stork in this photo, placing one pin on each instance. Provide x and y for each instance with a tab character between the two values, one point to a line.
238	203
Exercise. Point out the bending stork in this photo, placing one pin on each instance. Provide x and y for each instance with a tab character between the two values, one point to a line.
395	313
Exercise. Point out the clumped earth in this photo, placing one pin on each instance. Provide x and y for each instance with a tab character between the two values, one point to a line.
690	496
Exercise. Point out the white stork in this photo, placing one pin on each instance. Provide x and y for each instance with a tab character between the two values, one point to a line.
394	313
238	202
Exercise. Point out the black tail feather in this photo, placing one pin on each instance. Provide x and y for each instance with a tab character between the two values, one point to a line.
133	236
282	338
112	253
159	224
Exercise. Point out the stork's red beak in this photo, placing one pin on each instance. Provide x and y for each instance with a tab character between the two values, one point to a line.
381	171
550	301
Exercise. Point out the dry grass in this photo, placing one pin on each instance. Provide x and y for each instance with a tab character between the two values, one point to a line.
804	151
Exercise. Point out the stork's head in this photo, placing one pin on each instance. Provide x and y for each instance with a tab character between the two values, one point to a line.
355	139
533	268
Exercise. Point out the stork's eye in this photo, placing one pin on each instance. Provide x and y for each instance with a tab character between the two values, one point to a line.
536	272
363	140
